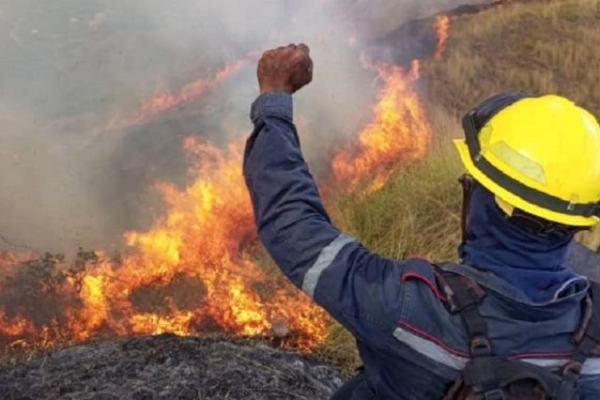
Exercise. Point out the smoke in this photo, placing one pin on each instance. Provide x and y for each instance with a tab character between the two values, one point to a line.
69	178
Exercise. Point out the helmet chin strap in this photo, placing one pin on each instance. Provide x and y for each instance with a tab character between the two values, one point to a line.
467	182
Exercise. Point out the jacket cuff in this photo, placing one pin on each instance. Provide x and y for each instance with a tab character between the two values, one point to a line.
273	104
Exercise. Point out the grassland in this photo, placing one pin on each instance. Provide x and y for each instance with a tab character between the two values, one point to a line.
538	46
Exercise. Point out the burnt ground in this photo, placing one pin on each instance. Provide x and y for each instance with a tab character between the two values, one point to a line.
169	367
416	39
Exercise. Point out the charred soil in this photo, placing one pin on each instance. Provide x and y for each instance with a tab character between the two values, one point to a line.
169	367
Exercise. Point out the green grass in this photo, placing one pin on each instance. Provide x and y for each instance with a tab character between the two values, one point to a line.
419	206
540	46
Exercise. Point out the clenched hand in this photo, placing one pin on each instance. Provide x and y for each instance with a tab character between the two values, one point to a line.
285	69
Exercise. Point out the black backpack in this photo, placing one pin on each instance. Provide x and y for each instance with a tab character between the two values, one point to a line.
489	377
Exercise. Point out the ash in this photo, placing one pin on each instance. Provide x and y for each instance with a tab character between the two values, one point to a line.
169	367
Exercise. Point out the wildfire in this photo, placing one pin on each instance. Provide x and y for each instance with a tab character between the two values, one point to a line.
442	30
203	245
399	132
163	100
196	269
208	234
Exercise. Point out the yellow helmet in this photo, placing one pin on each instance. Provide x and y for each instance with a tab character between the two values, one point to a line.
537	154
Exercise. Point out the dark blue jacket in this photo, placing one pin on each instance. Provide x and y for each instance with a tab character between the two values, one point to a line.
411	346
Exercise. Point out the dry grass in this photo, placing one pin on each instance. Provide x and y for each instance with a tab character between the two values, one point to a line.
539	46
419	206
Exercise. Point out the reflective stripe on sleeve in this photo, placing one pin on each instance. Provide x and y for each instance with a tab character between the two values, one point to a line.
430	349
326	257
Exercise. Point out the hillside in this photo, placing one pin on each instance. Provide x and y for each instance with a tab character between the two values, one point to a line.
539	46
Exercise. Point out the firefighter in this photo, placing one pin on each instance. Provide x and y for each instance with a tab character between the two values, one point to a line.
533	182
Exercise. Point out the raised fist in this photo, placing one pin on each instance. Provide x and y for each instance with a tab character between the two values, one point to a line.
285	69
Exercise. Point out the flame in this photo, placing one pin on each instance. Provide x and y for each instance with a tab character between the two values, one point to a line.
195	265
441	27
398	133
163	100
205	238
207	235
15	326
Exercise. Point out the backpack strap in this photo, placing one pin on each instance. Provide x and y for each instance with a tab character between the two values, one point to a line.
464	296
481	373
493	375
489	375
587	338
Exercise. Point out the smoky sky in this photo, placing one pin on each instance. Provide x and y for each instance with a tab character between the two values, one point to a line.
68	67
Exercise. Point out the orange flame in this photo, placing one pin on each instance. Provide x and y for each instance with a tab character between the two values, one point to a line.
207	234
442	30
399	132
204	244
163	100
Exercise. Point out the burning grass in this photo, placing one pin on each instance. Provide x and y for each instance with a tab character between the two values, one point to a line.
398	133
194	270
190	273
418	206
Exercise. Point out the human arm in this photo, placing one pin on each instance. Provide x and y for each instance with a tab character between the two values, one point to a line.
360	289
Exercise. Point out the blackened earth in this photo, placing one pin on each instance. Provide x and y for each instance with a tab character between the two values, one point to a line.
169	367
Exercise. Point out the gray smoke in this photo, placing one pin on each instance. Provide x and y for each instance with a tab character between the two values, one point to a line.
69	67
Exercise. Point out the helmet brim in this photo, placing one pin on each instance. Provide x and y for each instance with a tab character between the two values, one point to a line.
512	199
